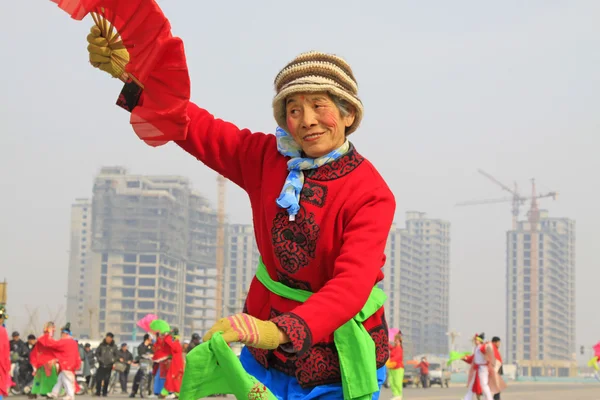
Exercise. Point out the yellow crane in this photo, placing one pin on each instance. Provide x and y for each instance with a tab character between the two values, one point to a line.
220	256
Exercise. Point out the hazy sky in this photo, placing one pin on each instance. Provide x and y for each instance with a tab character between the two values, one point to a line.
511	87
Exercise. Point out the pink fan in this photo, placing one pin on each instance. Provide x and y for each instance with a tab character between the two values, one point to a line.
597	350
392	332
145	322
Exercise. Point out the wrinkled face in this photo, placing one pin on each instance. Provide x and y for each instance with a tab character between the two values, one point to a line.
315	123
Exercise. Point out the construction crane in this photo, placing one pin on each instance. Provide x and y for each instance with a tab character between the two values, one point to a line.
534	219
220	256
516	198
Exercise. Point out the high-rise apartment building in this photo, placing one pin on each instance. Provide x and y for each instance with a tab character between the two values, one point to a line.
240	266
417	276
435	239
79	258
153	251
540	296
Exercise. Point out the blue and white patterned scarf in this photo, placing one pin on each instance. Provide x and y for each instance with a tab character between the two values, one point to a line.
290	194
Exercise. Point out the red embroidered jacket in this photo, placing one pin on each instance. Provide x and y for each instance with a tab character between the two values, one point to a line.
334	248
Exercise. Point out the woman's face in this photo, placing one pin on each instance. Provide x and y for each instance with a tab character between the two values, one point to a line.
315	123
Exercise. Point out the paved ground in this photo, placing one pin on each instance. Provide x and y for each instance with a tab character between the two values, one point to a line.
516	391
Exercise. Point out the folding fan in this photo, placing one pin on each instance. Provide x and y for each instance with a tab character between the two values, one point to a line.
157	64
145	322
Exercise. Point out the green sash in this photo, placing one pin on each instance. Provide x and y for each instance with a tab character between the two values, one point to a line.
356	349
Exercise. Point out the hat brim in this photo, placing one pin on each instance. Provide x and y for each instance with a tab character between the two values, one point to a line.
279	106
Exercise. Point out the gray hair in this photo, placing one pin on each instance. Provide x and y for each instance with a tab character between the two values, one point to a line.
342	105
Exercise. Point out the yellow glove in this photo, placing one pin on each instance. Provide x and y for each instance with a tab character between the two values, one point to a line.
111	59
248	330
391	364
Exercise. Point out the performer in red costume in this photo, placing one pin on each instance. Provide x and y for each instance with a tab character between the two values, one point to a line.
66	351
175	371
483	377
161	364
5	380
395	367
322	215
44	363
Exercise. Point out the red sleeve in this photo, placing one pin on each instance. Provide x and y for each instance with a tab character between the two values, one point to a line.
159	349
225	148
469	359
172	346
5	380
66	351
355	273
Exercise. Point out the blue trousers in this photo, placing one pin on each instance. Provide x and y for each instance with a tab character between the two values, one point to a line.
159	384
286	387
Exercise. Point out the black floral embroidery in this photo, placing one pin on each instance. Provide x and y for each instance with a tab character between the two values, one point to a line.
296	329
313	193
338	168
293	283
295	242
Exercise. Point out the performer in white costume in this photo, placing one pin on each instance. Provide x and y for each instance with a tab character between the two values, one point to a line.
483	376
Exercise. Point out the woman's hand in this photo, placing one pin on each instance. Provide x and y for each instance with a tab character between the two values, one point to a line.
248	330
104	56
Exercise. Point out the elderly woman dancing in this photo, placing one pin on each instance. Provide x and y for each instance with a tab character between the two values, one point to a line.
322	214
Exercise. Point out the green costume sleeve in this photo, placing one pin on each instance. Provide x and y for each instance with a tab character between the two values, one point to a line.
213	368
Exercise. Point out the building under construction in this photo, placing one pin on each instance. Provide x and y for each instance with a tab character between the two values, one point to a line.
153	250
540	286
540	302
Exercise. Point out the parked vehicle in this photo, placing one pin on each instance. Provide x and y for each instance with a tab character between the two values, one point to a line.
411	375
439	375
